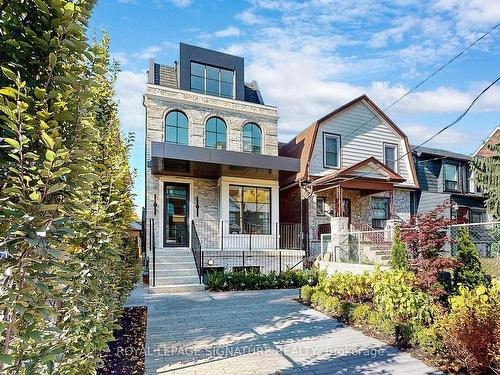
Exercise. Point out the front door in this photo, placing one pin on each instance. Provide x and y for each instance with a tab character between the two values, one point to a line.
176	214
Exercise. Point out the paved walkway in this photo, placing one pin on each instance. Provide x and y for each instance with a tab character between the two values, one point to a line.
258	332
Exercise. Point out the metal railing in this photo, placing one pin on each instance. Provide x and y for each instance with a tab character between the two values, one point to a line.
262	235
196	250
256	261
152	246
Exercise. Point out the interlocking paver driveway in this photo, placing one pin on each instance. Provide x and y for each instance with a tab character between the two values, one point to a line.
260	332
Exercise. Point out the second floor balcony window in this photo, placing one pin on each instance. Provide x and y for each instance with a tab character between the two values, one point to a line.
450	172
176	128
211	80
215	133
252	138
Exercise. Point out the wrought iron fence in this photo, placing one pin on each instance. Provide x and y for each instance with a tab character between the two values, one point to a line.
196	249
264	261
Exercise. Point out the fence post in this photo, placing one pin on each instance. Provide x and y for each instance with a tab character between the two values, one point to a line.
243	253
280	260
277	237
222	235
201	265
250	241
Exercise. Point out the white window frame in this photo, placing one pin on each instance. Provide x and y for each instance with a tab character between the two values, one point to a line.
337	138
395	147
321	212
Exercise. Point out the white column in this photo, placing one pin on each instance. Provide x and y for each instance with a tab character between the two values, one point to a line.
339	240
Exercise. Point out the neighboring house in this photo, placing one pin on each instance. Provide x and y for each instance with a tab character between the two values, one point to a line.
354	163
212	164
493	139
445	175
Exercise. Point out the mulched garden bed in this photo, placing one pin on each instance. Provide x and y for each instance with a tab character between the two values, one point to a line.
126	355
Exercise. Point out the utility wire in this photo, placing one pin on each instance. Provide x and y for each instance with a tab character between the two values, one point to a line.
414	88
458	119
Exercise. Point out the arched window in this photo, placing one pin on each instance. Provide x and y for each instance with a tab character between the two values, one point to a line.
176	128
252	138
215	133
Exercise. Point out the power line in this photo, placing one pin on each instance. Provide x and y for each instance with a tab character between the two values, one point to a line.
458	119
346	138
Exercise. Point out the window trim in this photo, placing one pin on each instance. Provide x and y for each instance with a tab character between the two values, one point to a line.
321	212
165	126
396	154
457	166
261	138
225	135
339	145
269	188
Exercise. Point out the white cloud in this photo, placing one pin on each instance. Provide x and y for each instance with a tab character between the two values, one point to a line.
228	32
393	34
181	3
420	133
130	86
121	57
248	17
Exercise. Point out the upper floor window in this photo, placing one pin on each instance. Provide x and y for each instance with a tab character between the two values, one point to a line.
450	172
252	138
211	80
390	156
176	128
215	133
331	150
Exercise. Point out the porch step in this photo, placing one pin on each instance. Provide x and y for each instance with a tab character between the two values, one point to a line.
174	258
163	272
176	280
176	288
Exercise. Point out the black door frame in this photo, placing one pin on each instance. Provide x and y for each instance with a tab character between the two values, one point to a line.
165	213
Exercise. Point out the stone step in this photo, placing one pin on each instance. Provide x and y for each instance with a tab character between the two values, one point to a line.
161	272
167	265
176	288
176	280
173	259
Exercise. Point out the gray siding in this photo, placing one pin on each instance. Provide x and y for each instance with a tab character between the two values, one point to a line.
429	201
428	174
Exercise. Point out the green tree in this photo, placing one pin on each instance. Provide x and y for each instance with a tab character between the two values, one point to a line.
65	191
399	255
487	177
470	273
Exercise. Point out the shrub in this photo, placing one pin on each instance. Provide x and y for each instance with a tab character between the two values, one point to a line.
398	300
399	255
361	313
470	332
470	273
378	320
306	292
433	276
216	280
331	305
346	286
427	338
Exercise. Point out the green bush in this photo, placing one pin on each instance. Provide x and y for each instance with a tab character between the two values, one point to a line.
306	292
361	313
427	338
346	286
470	273
379	321
398	300
331	305
216	280
399	255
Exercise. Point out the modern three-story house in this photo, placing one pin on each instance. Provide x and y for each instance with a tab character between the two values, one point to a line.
212	179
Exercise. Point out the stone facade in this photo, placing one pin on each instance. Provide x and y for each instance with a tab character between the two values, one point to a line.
360	208
198	108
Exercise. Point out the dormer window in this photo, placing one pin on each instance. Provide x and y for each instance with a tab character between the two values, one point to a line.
390	156
450	172
212	80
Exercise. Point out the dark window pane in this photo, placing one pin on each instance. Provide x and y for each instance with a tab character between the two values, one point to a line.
221	126
247	130
212	87
182	120
211	139
227	90
256	133
197	84
226	76
331	159
197	69
171	118
212	73
182	136
212	125
171	135
331	144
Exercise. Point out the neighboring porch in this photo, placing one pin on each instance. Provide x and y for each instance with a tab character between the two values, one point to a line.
363	201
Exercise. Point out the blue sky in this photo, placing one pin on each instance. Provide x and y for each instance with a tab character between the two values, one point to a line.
312	56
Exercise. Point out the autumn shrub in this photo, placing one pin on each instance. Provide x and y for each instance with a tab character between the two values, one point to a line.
306	293
361	313
470	332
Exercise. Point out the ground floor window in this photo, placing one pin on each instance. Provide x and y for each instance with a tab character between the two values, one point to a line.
380	211
249	209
